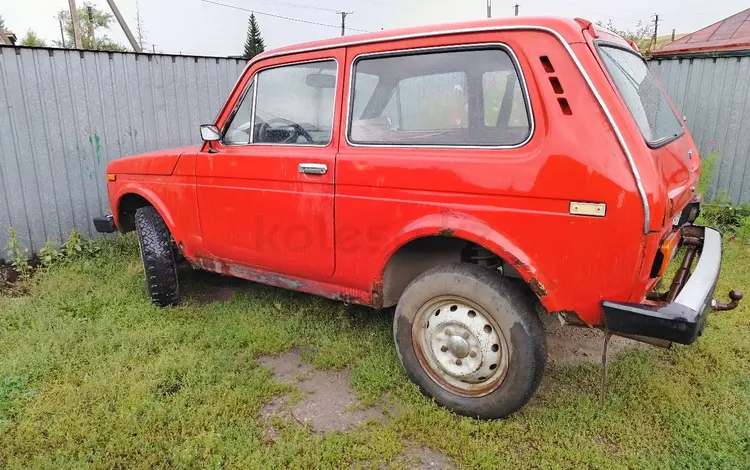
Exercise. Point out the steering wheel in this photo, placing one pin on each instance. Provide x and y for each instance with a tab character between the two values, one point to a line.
296	131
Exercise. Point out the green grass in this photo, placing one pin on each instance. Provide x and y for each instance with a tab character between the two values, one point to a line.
92	375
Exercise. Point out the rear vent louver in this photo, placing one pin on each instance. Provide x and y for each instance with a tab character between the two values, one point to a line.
556	85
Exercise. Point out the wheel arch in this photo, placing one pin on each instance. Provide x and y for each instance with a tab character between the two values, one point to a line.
129	199
442	239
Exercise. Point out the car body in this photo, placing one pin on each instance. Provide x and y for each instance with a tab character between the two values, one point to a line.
349	167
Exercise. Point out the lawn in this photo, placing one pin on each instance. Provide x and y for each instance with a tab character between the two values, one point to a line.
92	375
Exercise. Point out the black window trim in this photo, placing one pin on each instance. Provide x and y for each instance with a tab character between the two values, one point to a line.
254	82
451	48
655	144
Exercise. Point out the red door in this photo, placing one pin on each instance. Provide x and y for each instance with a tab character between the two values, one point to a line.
265	196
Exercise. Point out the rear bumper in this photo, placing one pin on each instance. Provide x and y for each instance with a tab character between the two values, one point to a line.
683	319
104	224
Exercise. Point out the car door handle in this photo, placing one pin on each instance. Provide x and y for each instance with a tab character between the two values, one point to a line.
313	168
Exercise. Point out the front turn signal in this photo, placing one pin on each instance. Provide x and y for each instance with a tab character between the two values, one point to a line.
668	249
111	177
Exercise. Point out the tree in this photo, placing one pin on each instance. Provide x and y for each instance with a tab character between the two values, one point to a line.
31	39
2	22
642	35
254	44
92	37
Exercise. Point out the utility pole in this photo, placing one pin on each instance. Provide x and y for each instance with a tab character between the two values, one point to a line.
516	7
124	26
656	30
489	8
672	34
76	25
343	20
90	12
62	32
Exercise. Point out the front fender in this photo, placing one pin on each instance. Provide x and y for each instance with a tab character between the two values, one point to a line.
157	201
470	228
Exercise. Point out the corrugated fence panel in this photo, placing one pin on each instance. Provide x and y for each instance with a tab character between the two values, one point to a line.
714	95
65	114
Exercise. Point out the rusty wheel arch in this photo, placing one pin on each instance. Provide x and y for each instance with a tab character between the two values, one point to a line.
420	254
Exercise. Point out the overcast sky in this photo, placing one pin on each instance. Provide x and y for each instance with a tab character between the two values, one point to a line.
197	27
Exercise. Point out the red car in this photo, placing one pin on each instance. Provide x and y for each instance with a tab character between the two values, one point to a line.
473	175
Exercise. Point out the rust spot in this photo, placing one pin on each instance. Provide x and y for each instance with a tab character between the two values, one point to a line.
445	232
377	294
537	287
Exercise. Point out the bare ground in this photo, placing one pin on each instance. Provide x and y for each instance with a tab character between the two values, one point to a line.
328	402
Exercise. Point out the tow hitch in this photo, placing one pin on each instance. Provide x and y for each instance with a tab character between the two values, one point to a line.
735	296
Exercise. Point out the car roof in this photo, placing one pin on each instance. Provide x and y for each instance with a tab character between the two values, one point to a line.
570	29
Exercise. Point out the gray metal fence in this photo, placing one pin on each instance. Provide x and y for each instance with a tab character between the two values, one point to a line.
64	114
714	94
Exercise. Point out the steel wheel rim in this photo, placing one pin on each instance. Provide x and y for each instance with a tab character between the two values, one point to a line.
460	346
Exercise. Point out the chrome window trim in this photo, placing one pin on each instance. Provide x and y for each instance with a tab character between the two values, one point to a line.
487	29
457	48
255	80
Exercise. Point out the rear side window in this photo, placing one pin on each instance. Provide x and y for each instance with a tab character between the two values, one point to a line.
445	98
642	94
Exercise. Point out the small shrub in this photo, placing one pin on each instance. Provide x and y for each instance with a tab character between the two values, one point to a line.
76	248
708	168
18	256
48	255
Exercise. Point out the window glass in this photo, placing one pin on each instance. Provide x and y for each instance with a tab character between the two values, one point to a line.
439	98
294	104
502	91
642	94
238	131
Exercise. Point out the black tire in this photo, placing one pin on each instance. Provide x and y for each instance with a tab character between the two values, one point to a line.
509	305
158	257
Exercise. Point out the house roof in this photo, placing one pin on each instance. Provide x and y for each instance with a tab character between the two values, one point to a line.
729	34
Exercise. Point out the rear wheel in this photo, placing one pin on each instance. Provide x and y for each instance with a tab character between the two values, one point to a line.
471	340
158	257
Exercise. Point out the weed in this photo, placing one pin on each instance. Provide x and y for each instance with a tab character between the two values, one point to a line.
48	255
18	256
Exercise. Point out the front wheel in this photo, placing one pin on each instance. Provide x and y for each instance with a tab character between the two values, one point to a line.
158	257
471	340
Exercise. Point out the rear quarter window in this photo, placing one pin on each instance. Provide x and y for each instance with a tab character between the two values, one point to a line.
446	97
642	94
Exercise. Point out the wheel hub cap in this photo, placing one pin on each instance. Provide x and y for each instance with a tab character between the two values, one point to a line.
458	346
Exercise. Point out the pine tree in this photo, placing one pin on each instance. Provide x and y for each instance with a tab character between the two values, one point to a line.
254	44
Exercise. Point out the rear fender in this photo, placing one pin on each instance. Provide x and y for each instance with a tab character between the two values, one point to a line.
469	228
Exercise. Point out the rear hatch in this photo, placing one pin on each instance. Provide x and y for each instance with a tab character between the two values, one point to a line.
671	147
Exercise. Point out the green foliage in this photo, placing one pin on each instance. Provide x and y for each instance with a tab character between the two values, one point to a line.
642	35
93	32
33	40
76	248
2	22
48	255
254	43
708	169
18	256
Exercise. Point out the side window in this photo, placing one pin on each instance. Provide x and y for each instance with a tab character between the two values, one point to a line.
504	103
294	104
460	97
238	131
434	102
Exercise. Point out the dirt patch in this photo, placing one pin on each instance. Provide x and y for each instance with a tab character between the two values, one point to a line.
572	345
204	287
328	402
424	458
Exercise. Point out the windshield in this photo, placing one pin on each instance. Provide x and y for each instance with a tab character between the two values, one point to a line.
642	94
